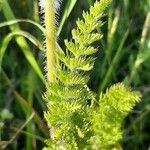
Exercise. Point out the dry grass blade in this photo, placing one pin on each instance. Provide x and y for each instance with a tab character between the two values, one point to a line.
18	132
29	134
25	106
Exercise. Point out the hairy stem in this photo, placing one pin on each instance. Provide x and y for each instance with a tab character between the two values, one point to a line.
50	39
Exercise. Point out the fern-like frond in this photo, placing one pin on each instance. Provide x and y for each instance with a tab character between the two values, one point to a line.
59	93
69	124
86	38
114	106
71	78
64	92
69	99
74	64
79	50
76	120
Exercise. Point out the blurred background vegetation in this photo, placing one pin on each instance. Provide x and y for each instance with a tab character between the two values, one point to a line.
124	55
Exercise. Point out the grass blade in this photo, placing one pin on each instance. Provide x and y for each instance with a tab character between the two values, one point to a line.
31	87
113	63
25	106
18	131
69	6
15	21
27	35
21	40
143	55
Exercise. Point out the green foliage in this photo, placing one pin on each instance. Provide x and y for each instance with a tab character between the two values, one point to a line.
77	118
124	55
114	106
20	40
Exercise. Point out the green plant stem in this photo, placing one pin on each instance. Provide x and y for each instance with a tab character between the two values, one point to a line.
112	28
31	88
50	39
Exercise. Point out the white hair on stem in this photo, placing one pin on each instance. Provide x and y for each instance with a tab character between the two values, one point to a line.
49	10
57	4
